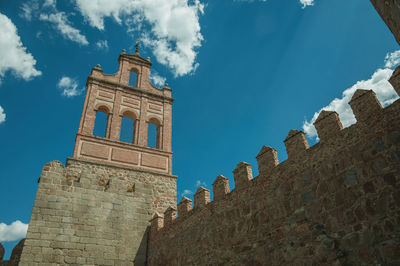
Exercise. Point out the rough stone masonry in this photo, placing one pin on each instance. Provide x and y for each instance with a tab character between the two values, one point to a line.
336	203
390	13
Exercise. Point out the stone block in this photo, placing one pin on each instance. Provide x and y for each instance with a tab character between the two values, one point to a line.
184	206
242	175
220	187
365	105
201	198
296	143
395	79
328	125
267	160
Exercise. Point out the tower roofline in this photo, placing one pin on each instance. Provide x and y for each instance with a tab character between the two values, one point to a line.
135	58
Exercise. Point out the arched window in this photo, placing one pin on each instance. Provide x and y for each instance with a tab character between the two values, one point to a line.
100	124
133	78
153	137
128	127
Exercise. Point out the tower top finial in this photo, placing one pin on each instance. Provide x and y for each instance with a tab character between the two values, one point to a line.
137	42
137	46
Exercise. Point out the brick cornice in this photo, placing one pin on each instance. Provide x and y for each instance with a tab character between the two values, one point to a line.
126	88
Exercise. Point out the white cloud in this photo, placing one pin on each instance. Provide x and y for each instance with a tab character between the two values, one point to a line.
31	9
200	183
2	115
48	12
251	1
28	9
392	59
12	232
174	29
69	87
102	44
186	192
378	83
156	79
306	3
13	55
197	184
61	23
39	35
50	3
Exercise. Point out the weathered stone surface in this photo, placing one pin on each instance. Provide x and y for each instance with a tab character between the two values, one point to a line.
84	213
327	124
15	255
390	13
184	206
201	198
296	143
267	160
395	80
2	251
336	203
220	187
17	251
97	209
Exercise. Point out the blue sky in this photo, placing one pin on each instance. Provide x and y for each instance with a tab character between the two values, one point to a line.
243	74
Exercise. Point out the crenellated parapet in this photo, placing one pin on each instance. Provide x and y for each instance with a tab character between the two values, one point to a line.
157	222
328	125
267	160
296	143
184	206
201	198
395	80
220	187
169	216
319	192
242	175
365	106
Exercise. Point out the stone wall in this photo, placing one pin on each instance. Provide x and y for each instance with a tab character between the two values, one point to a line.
336	203
91	213
390	13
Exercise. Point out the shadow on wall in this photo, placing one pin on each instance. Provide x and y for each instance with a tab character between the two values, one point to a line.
15	255
141	255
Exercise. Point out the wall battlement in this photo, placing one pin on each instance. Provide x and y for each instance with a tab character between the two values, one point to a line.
343	190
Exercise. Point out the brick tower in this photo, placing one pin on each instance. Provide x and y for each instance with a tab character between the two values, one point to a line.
143	103
96	209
